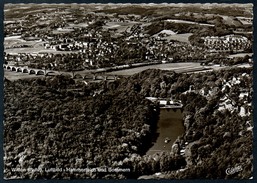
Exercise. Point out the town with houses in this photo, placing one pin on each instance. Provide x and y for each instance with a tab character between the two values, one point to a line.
179	74
102	40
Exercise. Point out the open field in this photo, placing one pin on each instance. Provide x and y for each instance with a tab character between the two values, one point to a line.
33	46
231	21
36	50
15	44
179	37
37	47
240	55
13	40
25	50
120	26
18	75
178	67
188	22
27	43
83	25
63	30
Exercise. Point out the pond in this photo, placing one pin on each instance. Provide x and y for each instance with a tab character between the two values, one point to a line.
169	127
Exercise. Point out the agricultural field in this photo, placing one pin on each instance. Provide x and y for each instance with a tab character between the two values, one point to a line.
178	67
16	76
180	37
13	40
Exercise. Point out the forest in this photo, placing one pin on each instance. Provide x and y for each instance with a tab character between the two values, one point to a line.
55	122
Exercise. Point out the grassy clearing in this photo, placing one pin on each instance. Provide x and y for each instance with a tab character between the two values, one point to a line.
18	75
231	21
169	66
240	55
37	50
80	25
120	26
188	22
62	30
180	37
10	41
37	47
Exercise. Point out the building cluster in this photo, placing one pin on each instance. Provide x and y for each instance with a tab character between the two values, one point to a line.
228	43
105	40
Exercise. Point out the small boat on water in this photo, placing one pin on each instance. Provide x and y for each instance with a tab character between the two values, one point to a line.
167	140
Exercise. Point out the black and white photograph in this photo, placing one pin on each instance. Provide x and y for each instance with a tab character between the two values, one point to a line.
128	91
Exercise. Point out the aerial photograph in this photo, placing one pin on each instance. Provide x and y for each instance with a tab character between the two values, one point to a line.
128	91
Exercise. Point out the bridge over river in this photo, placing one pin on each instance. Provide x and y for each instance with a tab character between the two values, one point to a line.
85	75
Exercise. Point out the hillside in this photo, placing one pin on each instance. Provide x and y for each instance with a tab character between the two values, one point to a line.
110	125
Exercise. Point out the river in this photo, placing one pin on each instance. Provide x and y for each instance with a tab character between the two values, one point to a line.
170	125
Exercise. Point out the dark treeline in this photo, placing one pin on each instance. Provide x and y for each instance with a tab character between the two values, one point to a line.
57	122
217	139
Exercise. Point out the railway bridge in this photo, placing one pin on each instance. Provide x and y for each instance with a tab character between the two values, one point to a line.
80	75
25	69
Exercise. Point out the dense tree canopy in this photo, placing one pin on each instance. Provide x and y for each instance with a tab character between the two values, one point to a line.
110	124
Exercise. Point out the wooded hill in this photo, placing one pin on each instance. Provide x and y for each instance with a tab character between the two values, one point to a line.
57	122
